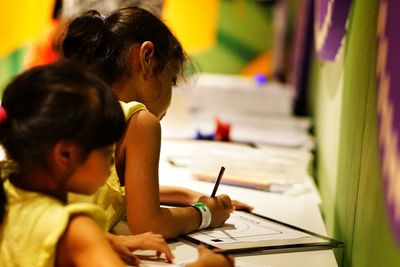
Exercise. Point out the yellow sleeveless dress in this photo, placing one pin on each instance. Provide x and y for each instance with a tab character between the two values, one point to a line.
34	223
111	196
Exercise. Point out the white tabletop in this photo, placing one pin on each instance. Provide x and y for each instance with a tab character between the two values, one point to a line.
300	210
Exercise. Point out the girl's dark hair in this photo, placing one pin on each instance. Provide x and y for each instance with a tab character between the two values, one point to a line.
61	101
105	43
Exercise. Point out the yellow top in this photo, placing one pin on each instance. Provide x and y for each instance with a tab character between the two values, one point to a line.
111	196
34	223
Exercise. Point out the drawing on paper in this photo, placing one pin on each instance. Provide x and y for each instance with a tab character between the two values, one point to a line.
242	227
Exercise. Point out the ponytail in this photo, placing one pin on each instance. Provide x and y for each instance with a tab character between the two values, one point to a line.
95	30
87	34
89	40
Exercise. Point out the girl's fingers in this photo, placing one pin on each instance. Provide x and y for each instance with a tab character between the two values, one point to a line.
241	206
167	251
130	258
161	247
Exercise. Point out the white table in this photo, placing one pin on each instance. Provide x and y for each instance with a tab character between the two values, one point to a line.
300	210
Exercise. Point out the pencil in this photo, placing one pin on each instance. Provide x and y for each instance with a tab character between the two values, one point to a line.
221	172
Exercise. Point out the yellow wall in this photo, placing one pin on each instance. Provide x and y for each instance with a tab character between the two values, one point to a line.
194	22
21	21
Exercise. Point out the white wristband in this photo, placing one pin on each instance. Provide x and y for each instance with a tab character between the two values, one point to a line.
205	214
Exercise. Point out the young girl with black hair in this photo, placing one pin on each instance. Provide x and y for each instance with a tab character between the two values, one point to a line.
136	53
58	126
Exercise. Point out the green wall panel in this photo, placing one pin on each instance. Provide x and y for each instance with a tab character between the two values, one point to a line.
361	219
358	67
373	244
342	101
328	81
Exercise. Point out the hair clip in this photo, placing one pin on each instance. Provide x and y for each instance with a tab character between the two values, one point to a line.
3	115
103	18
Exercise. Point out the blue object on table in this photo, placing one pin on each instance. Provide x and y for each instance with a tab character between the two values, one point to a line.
260	79
201	136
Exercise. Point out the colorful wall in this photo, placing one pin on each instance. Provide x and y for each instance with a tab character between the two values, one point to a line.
343	101
224	36
21	22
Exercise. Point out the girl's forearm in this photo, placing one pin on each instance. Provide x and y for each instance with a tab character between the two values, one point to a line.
169	222
178	196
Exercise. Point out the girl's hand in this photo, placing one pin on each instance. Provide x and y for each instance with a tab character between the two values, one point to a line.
207	258
125	245
194	197
179	196
237	205
220	207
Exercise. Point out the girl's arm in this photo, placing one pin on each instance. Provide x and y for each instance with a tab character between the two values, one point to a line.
84	244
179	196
141	149
173	195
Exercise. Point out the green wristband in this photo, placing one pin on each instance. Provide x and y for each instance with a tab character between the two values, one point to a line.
205	214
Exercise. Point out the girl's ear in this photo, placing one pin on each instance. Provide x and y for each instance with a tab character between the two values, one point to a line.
146	57
65	155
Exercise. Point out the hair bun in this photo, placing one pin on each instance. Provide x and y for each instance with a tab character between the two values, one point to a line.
86	31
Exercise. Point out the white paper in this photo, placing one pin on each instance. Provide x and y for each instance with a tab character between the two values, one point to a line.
242	227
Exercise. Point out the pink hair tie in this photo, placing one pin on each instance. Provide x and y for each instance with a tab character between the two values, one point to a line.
3	115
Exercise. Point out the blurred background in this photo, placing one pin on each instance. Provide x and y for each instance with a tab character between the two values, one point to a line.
229	37
335	66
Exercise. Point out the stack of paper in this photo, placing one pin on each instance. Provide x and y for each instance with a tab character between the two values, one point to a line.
257	114
281	170
260	116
